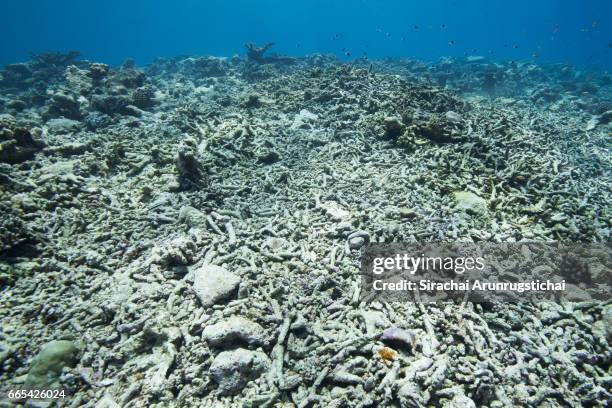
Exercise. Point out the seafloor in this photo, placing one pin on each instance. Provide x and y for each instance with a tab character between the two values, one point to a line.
188	234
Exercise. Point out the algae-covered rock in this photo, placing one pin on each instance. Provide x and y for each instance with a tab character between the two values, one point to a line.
470	202
49	363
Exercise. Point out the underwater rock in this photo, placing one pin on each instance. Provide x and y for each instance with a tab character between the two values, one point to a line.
79	80
13	230
235	329
453	117
439	130
15	76
411	396
97	120
204	66
110	104
232	370
358	239
335	211
470	202
393	127
16	144
213	284
191	173
49	363
17	105
460	401
174	252
62	105
61	126
192	217
143	97
356	242
252	101
98	71
268	157
129	77
7	125
398	336
304	120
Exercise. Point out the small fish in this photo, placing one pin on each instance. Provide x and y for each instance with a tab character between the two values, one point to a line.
388	35
535	55
451	42
515	46
610	45
443	25
416	27
348	54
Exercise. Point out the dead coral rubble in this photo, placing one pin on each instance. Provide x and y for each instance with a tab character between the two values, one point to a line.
197	250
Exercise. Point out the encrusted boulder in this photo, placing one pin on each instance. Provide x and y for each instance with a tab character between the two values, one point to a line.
213	284
143	97
236	329
470	203
233	370
48	364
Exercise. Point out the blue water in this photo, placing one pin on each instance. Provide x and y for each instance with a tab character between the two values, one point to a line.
575	31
